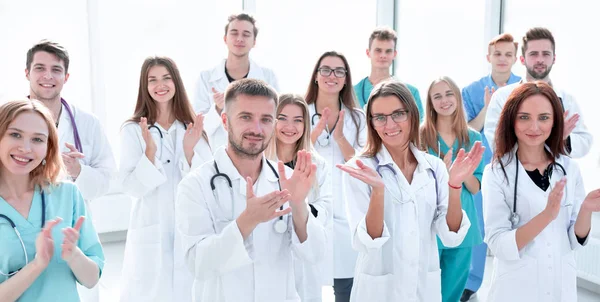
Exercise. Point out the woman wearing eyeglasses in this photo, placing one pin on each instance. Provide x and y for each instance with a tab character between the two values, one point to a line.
533	228
338	131
161	143
445	131
399	198
292	134
41	259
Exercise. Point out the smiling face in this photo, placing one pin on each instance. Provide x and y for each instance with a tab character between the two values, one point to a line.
393	134
249	121
24	144
160	84
331	84
46	75
534	121
290	125
443	99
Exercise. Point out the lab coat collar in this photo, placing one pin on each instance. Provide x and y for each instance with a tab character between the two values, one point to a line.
218	72
385	158
513	163
226	166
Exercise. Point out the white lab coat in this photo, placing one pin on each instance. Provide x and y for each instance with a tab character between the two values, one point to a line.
226	267
309	276
203	100
153	265
581	138
544	270
403	264
344	257
98	166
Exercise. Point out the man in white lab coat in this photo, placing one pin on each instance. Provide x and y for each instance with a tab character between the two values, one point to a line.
538	56
240	218
240	38
86	152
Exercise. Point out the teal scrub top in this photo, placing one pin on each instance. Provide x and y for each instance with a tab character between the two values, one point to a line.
473	236
57	282
364	87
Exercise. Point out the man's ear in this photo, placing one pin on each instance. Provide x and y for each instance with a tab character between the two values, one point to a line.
224	119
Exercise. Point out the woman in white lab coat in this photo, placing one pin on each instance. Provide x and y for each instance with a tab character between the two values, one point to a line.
338	132
159	144
399	198
292	134
534	234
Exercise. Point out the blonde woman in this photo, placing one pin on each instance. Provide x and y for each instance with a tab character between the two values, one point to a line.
292	134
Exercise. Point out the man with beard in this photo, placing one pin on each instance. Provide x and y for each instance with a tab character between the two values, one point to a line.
240	217
240	38
538	56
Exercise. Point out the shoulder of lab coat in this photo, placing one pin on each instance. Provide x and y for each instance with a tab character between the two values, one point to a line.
99	166
360	117
581	138
208	254
449	238
358	196
136	172
574	179
497	210
494	110
321	196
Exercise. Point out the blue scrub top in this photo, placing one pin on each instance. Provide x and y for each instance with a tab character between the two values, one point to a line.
473	236
473	101
57	281
364	87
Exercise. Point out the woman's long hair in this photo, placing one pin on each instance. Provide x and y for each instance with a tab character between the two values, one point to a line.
180	104
459	123
506	138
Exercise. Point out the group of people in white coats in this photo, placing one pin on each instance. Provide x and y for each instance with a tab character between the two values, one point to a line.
244	194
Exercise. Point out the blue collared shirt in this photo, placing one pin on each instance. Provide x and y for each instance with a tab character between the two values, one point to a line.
473	101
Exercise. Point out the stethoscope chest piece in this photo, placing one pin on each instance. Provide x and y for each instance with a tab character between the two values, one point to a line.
514	219
280	226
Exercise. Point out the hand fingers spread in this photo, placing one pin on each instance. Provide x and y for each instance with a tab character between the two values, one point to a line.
281	169
79	223
279	213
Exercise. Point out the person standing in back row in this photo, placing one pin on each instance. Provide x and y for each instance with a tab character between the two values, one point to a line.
240	38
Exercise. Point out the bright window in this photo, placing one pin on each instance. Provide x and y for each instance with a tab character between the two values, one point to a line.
294	34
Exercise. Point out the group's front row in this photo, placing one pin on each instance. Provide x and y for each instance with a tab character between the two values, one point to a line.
254	220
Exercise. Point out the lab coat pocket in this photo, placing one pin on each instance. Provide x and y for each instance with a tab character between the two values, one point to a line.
145	246
372	288
433	288
518	276
569	278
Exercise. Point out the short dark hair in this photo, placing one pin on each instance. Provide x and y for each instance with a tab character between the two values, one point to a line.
251	87
242	17
383	33
50	47
537	33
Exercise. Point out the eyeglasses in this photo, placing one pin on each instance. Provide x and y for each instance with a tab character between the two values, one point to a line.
397	116
338	72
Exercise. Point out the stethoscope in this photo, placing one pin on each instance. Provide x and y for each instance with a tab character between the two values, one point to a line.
317	114
279	226
162	144
12	224
391	168
76	136
514	217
